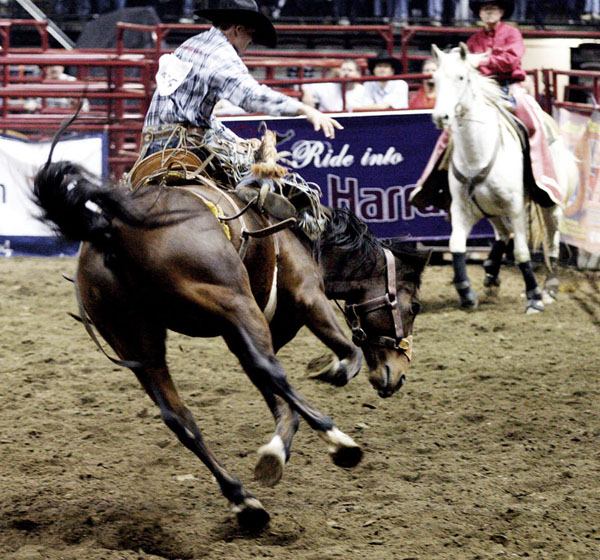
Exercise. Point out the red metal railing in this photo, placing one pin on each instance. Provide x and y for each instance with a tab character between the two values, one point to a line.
121	95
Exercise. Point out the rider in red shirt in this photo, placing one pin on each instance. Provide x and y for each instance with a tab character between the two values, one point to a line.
504	47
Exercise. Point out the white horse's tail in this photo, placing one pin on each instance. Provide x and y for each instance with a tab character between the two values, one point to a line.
567	174
537	227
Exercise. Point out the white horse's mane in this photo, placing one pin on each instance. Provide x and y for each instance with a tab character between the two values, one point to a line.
491	90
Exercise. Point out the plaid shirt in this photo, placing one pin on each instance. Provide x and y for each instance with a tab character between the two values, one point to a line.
217	72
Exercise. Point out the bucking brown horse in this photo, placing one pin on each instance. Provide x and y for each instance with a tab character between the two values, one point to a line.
167	259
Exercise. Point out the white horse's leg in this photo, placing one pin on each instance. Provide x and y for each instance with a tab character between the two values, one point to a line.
461	227
522	256
492	264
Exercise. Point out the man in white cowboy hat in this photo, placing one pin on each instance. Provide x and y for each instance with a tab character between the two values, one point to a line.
504	47
207	68
384	94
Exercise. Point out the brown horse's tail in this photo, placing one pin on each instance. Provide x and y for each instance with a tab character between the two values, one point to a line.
78	205
82	207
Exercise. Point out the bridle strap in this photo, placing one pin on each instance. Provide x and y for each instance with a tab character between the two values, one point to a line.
353	313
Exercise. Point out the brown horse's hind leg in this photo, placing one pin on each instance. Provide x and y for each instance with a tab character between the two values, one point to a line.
177	417
126	324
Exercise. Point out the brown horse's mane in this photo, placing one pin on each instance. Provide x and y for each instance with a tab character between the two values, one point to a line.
346	232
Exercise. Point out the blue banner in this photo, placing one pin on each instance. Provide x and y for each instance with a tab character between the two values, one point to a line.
370	167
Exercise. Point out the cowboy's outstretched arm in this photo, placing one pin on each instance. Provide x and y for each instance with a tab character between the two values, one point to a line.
320	121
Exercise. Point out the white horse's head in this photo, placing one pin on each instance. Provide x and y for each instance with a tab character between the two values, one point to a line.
455	81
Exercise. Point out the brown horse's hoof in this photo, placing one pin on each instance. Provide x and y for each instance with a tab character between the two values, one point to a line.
251	515
321	366
269	469
347	457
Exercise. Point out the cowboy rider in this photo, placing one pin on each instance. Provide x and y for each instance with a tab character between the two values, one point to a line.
208	67
503	45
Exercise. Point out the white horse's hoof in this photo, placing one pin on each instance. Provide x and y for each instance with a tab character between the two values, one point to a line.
534	306
271	461
549	296
251	514
492	291
344	451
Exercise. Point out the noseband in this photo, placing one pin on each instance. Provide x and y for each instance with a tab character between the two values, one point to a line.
354	312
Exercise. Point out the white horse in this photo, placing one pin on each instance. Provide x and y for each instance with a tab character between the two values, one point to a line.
486	176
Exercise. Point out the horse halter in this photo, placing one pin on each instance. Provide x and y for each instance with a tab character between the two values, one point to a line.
461	109
353	313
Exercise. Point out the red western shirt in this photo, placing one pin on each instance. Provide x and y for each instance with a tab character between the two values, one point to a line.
507	49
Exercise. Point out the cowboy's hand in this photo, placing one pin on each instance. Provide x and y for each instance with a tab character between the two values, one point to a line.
320	121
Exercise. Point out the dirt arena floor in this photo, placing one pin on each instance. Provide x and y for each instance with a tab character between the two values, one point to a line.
490	451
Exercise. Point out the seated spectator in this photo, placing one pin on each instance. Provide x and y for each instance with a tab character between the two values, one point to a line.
328	96
385	94
435	11
424	97
462	13
54	73
520	13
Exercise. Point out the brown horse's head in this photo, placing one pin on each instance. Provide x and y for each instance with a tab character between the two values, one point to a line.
380	283
382	321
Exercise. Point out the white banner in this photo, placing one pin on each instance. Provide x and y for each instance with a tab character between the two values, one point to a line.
19	162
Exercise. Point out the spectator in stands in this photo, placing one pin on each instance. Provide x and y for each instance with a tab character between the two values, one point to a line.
208	67
573	11
344	11
462	14
75	8
328	96
104	6
396	11
435	11
187	11
53	73
385	94
424	97
591	10
449	7
520	12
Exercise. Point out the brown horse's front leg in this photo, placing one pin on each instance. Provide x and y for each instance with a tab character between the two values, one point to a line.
323	323
177	417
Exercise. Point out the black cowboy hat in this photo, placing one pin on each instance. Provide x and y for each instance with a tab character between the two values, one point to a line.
507	5
384	57
245	12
